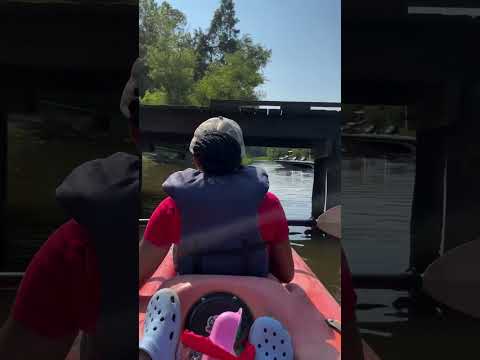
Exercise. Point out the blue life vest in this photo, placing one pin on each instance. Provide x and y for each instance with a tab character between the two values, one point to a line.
219	222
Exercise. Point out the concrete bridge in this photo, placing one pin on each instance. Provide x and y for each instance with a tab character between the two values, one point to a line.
264	123
355	143
427	61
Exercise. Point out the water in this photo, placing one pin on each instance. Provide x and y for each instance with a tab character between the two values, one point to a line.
293	188
38	161
376	197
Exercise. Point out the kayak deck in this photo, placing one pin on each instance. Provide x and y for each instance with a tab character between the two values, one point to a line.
265	297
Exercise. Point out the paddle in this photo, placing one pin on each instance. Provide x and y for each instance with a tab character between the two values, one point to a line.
330	221
453	279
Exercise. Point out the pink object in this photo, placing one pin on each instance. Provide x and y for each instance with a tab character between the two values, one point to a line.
224	331
264	297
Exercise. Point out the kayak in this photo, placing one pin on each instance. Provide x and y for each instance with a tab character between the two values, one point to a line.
263	296
203	296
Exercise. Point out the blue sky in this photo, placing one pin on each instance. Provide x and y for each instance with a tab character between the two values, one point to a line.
304	36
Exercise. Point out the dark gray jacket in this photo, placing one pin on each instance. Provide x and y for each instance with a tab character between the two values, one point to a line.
219	222
103	195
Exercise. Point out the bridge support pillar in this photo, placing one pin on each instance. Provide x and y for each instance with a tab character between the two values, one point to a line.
327	176
3	183
428	200
434	113
446	195
463	173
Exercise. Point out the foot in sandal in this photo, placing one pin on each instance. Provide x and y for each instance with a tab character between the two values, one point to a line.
270	339
162	326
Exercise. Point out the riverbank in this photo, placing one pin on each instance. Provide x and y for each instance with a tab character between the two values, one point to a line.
248	160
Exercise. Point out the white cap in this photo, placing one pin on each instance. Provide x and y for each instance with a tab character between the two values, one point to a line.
219	124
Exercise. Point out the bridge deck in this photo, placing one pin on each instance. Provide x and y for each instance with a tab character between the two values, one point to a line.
295	125
381	138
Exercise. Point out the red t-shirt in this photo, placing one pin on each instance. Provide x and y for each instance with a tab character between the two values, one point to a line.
60	292
164	226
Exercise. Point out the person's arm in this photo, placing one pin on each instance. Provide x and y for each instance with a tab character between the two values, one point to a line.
45	317
150	256
163	230
281	261
274	230
18	342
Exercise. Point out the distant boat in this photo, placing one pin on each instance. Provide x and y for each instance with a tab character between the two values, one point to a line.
390	130
294	163
369	129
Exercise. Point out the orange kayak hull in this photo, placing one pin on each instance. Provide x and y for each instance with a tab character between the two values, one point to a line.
303	306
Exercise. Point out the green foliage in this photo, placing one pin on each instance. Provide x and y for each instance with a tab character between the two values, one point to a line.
382	116
203	50
185	69
154	97
379	115
236	79
222	35
275	153
168	51
255	151
157	22
220	39
171	70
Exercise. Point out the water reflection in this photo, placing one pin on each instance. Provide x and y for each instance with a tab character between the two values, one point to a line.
376	197
294	189
38	161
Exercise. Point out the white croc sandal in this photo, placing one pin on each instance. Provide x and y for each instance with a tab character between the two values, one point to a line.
271	340
161	330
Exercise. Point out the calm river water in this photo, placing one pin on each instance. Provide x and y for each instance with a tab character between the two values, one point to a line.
376	198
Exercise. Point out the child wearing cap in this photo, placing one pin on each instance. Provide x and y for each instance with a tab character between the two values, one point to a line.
220	217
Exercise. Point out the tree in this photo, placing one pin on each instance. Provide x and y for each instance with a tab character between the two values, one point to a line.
275	153
157	21
222	35
203	51
193	69
221	38
227	66
148	24
236	79
168	51
154	97
171	71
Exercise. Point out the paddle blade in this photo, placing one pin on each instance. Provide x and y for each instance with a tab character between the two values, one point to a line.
330	221
368	353
454	279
